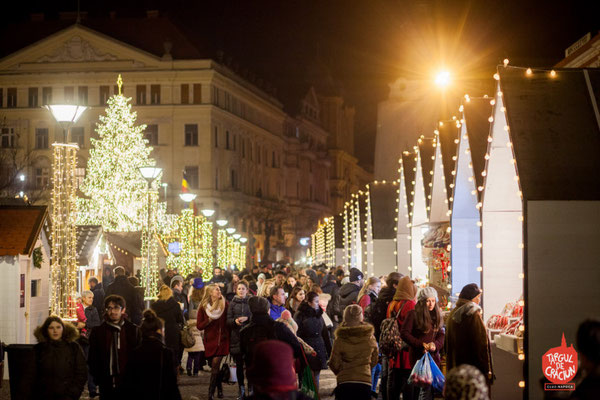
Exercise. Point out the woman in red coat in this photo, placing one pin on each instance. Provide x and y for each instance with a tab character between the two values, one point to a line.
423	330
212	319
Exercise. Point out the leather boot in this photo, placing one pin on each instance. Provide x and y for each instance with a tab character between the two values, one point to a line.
242	393
212	386
219	389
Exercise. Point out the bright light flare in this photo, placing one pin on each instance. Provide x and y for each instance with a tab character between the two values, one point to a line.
442	79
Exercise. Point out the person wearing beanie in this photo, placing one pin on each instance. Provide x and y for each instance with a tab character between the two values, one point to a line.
465	382
353	356
262	327
423	330
349	291
287	320
398	365
467	341
272	372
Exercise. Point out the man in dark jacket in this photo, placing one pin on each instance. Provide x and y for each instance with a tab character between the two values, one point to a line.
177	288
98	290
111	345
122	287
349	292
262	327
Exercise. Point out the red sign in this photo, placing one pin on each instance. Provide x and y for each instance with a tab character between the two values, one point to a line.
560	363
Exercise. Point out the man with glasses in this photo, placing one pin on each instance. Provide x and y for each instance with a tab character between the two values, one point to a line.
111	345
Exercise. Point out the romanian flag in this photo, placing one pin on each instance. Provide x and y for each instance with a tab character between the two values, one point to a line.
185	189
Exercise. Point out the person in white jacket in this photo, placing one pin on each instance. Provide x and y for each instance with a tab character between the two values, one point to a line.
195	360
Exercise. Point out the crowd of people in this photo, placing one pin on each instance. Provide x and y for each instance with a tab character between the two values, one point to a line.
279	327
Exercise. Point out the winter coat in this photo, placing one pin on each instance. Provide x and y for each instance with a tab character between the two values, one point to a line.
467	339
92	319
400	309
367	299
354	353
216	334
333	309
100	350
151	372
170	311
198	337
261	328
60	368
379	310
237	308
98	291
415	339
330	287
348	295
312	329
181	298
275	311
133	303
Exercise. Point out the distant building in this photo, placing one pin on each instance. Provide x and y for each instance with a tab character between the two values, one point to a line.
269	173
584	53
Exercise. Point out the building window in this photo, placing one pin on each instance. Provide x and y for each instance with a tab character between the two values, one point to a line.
191	135
185	93
33	97
258	154
273	160
46	96
197	93
82	95
104	94
79	176
41	138
140	94
116	89
154	94
11	97
191	176
77	136
36	287
233	179
42	177
69	94
217	179
234	142
216	137
151	134
8	138
1	97
226	140
243	143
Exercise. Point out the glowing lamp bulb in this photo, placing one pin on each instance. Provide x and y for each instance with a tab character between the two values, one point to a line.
442	78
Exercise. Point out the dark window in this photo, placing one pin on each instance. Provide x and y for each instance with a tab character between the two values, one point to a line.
140	94
185	93
216	137
33	97
191	135
104	94
273	160
116	89
227	140
82	95
11	97
191	176
234	142
69	94
152	134
243	143
42	177
8	138
233	179
77	136
41	138
258	154
154	94
36	287
217	179
1	97
46	95
197	93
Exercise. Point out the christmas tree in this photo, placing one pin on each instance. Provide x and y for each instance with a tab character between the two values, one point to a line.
116	193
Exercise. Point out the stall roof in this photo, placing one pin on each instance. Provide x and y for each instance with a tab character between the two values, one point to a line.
87	240
125	246
20	227
449	135
477	112
426	150
555	131
383	205
408	167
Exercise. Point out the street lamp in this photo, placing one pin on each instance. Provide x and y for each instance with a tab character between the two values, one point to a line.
243	240
236	236
442	78
149	173
222	222
207	212
230	230
64	210
187	197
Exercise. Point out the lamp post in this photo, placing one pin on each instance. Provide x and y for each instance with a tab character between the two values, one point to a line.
149	173
64	215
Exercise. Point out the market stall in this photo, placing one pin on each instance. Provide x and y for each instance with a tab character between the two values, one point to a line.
380	229
404	204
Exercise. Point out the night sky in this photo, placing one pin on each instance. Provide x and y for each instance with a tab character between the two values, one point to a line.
365	44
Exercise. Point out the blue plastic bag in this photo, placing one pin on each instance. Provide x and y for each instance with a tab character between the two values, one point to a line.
421	372
438	378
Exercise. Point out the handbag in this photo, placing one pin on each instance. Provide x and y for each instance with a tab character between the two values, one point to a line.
187	339
224	373
307	381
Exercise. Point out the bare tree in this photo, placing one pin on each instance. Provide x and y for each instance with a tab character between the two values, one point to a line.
270	214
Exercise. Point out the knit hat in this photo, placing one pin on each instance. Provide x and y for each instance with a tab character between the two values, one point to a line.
353	315
272	368
466	382
258	305
427	292
286	318
312	275
469	292
176	278
198	283
355	274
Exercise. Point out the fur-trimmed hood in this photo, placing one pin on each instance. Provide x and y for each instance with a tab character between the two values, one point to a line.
355	334
70	333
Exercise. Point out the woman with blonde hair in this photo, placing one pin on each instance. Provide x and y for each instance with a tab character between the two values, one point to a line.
212	319
167	308
369	292
265	289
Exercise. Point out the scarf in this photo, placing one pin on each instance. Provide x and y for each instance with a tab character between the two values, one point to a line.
465	308
212	312
406	289
115	346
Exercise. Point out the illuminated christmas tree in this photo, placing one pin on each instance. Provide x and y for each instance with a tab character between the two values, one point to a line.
116	193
